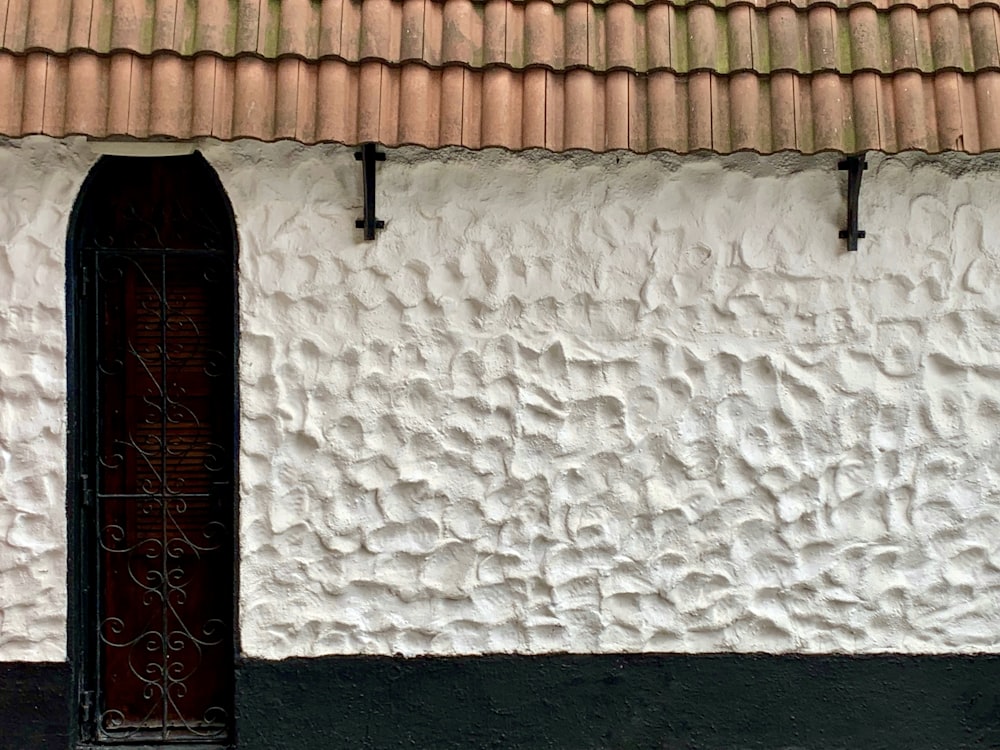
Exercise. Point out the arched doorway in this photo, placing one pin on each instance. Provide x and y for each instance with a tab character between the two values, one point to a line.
151	310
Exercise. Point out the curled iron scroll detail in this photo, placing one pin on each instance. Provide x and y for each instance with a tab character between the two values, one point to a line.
163	497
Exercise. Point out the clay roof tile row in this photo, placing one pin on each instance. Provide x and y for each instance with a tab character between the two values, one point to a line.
537	33
127	95
683	76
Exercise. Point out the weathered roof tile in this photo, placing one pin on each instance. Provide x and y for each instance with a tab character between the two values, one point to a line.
740	38
683	75
677	36
127	95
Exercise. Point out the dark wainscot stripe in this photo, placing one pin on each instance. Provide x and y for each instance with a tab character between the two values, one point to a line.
564	702
34	705
580	702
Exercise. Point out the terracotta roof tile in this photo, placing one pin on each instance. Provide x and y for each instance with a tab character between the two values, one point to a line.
683	75
167	95
673	36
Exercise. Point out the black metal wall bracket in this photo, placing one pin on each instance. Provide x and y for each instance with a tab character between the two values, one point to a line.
854	165
368	156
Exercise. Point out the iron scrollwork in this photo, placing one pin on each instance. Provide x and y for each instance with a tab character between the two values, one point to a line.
163	473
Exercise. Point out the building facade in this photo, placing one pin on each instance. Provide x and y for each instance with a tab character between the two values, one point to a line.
588	448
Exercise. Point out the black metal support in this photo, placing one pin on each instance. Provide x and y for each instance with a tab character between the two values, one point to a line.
854	165
368	156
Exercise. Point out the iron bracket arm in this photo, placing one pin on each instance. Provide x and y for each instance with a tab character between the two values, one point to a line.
368	156
855	166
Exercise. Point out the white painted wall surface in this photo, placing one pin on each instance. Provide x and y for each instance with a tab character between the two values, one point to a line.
617	404
569	404
39	179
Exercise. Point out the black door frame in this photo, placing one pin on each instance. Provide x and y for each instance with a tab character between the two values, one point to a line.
80	552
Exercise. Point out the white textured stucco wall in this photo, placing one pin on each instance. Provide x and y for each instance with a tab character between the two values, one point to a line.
616	404
574	404
39	179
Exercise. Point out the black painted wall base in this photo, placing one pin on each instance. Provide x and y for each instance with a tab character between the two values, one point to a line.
666	702
574	702
34	705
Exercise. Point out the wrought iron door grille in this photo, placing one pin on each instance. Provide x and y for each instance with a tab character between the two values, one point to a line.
161	460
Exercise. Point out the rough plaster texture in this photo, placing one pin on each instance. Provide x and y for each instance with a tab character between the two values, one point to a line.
567	404
617	404
39	179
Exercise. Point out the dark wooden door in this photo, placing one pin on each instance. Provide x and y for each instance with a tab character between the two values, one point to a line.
158	455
